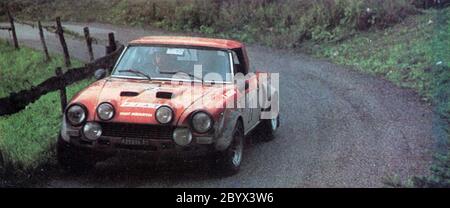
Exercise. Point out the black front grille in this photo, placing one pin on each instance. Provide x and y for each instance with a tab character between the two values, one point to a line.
139	131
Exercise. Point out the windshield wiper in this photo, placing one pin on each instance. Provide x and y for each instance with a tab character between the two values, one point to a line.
136	72
172	73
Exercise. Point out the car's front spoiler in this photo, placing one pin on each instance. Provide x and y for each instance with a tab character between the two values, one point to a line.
114	145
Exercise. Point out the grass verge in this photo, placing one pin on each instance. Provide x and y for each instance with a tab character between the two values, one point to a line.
413	54
27	138
405	54
21	69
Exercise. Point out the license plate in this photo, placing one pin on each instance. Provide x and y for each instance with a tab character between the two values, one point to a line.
135	142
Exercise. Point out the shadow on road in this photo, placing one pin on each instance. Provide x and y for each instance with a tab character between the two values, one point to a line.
134	171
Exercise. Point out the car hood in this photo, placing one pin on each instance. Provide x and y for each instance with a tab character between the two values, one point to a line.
135	101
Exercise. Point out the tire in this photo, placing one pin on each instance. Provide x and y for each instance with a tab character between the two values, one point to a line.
228	162
268	128
72	159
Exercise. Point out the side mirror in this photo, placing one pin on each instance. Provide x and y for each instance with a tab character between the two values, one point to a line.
100	74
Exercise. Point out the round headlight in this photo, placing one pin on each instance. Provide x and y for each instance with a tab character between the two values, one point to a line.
92	131
164	114
76	115
105	111
201	122
182	136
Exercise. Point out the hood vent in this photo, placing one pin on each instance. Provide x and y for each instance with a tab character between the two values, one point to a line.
164	95
128	94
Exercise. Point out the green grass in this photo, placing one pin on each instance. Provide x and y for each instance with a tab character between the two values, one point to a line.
27	137
21	69
405	54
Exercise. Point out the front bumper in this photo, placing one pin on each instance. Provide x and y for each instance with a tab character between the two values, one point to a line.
110	145
158	142
115	145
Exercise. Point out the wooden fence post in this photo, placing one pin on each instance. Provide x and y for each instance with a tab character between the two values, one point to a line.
62	88
60	32
88	38
111	47
44	45
13	28
111	44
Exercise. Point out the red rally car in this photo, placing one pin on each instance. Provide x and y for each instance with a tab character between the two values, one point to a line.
177	96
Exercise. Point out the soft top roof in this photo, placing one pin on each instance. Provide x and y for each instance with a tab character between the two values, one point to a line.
188	41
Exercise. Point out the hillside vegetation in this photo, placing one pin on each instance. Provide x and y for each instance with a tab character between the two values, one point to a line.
408	54
280	23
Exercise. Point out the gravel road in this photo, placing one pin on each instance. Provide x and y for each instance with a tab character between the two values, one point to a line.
339	128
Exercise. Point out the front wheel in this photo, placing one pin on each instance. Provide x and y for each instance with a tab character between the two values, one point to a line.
229	161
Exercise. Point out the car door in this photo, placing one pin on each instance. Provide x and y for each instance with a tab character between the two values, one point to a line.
252	99
243	102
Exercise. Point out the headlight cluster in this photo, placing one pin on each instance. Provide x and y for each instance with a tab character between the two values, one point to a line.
76	115
201	122
164	114
105	111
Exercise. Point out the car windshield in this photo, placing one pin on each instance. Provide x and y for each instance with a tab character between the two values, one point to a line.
165	62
